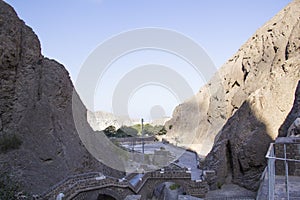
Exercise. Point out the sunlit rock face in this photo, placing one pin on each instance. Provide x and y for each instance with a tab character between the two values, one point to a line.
291	125
240	110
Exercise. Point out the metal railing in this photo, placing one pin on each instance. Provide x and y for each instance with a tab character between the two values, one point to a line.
272	157
73	185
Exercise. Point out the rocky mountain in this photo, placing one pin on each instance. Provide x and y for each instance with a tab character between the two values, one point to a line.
39	144
100	120
240	110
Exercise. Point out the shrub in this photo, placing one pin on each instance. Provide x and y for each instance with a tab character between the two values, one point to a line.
174	186
149	129
219	185
110	131
162	131
9	142
127	131
137	127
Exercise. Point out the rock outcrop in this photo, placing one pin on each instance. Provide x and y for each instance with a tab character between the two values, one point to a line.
246	102
294	130
36	108
238	154
100	120
293	114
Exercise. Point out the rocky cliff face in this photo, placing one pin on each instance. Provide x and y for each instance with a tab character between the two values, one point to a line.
293	114
247	101
36	108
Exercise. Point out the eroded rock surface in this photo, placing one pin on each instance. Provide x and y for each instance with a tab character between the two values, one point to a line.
292	116
238	113
36	107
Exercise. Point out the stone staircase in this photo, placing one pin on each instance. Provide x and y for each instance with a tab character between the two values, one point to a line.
74	185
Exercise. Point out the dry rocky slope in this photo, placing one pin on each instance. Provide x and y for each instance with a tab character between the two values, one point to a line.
36	107
240	110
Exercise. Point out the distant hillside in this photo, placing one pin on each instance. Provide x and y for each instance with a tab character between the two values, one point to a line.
100	120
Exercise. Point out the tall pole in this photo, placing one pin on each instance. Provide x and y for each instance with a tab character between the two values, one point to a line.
143	145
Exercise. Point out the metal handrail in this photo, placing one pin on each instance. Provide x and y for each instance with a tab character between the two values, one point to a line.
71	183
271	156
284	159
270	150
67	179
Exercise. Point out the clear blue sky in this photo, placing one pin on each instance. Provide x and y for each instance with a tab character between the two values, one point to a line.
69	30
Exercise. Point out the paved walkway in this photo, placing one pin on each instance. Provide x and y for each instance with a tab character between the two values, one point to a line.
135	180
189	160
184	158
280	188
232	192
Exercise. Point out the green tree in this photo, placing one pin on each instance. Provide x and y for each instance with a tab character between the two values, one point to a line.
149	129
137	127
110	131
127	131
162	131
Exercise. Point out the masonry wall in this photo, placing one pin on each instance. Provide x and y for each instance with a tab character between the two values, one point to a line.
292	152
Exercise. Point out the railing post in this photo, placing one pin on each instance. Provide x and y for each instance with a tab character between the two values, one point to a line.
271	172
271	181
286	173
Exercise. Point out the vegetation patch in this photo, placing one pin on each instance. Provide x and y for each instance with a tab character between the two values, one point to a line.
122	132
134	131
9	142
219	185
174	186
162	148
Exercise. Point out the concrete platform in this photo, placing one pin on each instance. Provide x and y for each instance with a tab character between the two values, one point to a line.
280	188
231	191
